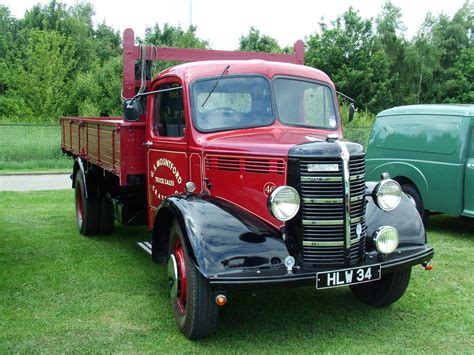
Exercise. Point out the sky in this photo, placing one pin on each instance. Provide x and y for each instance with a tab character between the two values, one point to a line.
222	22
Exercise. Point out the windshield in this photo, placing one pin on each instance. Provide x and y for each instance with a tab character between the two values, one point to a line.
305	103
235	102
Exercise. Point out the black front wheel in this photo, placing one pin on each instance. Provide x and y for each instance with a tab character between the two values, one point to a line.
192	301
385	291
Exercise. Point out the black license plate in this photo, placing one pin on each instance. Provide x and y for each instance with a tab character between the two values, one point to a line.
344	277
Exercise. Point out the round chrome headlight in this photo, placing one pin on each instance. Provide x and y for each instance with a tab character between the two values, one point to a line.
284	203
386	240
387	194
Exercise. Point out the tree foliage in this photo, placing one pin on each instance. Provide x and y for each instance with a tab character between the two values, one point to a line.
56	61
256	42
372	61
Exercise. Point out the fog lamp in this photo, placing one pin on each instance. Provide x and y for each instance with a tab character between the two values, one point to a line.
386	240
284	203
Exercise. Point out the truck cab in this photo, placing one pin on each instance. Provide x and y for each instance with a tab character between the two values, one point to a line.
236	163
429	150
230	134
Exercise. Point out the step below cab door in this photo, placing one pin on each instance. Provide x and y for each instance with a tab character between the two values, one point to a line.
167	160
469	180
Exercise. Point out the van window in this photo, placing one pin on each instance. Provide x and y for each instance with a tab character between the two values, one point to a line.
437	135
168	112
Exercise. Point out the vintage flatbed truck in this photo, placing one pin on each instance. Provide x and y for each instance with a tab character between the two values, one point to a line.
236	164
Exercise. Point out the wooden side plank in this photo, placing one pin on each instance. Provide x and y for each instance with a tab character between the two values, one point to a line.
114	145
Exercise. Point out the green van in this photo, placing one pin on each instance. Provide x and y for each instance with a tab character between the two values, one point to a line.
429	150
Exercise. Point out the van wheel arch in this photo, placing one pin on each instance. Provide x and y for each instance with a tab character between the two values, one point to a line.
413	193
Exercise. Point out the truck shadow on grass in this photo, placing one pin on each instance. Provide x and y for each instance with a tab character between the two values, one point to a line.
302	313
458	227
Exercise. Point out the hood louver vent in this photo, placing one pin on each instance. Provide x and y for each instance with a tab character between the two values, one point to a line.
250	165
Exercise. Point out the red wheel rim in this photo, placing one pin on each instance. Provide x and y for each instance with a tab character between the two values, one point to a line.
182	281
79	208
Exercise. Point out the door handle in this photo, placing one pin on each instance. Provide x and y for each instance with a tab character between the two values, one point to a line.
470	165
148	144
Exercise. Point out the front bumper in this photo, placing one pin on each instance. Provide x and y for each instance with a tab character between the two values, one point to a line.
403	258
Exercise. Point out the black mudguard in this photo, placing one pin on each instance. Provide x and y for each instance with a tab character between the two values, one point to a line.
405	218
225	241
222	238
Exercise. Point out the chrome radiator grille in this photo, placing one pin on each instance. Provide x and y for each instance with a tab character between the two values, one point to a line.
322	194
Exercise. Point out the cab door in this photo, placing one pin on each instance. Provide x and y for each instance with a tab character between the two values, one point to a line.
469	180
167	156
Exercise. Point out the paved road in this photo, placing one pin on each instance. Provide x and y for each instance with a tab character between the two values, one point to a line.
34	182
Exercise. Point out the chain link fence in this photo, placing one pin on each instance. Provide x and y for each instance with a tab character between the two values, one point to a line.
37	147
30	147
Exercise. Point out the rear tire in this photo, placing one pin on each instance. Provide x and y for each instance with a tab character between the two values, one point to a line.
412	192
192	301
107	216
385	291
87	209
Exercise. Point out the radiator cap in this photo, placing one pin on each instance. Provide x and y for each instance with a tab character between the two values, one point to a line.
332	137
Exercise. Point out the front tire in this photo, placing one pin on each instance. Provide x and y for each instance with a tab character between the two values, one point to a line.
385	291
193	306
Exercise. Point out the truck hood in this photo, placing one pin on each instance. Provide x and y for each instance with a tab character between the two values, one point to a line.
269	141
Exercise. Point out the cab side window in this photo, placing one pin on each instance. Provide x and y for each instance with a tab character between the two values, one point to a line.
168	112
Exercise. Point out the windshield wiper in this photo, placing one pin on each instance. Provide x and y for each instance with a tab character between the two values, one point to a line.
215	85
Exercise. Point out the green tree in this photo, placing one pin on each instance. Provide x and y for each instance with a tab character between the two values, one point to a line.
256	42
97	92
41	82
389	33
172	36
445	49
349	53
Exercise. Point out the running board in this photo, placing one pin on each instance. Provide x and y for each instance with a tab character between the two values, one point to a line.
145	246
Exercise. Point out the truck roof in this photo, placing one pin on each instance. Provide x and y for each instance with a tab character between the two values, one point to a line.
194	70
432	110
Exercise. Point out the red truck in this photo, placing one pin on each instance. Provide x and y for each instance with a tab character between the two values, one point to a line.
236	163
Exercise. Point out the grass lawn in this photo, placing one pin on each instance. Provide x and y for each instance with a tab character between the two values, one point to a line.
61	292
37	167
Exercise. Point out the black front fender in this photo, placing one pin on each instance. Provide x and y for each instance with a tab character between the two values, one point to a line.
405	218
221	238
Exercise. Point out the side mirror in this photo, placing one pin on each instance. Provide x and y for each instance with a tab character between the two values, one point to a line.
131	111
352	110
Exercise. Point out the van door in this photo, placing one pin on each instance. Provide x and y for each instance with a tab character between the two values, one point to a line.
167	159
469	180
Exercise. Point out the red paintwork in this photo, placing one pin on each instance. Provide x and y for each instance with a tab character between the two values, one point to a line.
274	140
121	152
245	188
182	276
243	166
168	173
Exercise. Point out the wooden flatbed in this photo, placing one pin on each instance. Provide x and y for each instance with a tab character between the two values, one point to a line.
110	143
